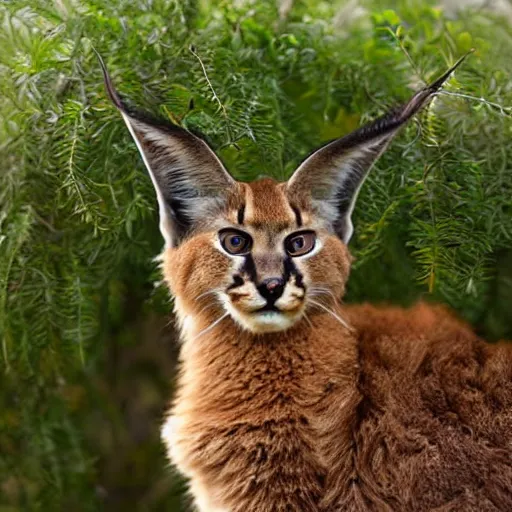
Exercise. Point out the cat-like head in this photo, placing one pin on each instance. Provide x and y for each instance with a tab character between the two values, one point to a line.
262	253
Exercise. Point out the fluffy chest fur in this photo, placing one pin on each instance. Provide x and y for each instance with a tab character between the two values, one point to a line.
252	420
324	420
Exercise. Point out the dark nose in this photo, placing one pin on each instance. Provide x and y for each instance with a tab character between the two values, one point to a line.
271	289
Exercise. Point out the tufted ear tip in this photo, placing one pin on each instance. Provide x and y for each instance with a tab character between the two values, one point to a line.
109	86
437	84
422	96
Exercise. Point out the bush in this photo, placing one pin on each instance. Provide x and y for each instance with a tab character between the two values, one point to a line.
87	358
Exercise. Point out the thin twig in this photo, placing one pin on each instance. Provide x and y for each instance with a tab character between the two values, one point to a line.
79	322
406	53
215	97
506	111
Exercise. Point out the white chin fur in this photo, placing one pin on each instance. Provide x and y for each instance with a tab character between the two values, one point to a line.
266	321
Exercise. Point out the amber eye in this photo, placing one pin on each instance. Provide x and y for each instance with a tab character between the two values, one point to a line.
299	244
235	242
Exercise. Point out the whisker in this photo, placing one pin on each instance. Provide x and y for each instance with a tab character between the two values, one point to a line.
306	317
171	322
323	294
333	314
319	292
325	291
209	292
322	286
208	306
210	327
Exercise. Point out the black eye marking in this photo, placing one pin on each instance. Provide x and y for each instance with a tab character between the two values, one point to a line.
291	270
235	242
249	268
237	281
299	244
241	213
298	216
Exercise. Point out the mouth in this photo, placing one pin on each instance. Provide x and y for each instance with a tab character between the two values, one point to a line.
267	318
258	315
268	308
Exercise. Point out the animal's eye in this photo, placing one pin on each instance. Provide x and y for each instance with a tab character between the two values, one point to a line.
299	244
235	242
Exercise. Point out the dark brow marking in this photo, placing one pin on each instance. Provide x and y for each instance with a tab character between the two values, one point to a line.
241	213
298	216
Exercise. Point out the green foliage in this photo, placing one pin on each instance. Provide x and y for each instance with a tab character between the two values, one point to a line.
78	226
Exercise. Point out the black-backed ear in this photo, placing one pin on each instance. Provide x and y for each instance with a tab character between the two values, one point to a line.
190	181
331	177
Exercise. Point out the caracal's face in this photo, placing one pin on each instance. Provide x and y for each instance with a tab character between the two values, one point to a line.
264	261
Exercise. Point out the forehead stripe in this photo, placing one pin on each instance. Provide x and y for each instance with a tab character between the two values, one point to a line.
298	216
241	213
267	205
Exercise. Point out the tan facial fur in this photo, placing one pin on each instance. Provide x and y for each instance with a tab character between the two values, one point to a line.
210	282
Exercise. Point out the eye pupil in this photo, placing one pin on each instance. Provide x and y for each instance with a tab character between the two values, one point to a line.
298	243
236	241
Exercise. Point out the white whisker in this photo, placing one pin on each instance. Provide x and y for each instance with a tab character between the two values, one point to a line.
306	317
322	294
325	291
333	314
208	306
205	294
172	321
210	327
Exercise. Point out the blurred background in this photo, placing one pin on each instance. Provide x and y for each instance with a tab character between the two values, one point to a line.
87	342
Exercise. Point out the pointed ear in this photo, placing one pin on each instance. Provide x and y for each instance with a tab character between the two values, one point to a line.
331	177
190	181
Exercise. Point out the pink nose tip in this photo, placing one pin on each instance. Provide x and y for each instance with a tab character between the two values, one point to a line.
272	288
273	283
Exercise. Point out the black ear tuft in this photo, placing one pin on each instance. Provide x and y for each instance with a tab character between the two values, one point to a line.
333	175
